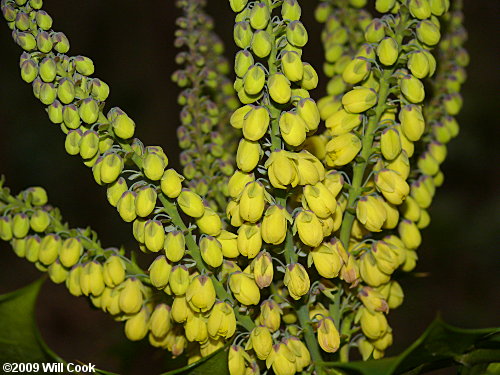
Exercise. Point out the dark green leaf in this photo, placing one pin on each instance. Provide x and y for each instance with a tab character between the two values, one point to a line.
215	364
441	345
20	340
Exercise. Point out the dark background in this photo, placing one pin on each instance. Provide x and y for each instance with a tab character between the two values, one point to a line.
131	44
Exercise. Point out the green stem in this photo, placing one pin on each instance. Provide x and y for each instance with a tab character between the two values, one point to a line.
367	150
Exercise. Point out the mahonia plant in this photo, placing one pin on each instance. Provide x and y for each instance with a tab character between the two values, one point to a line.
282	238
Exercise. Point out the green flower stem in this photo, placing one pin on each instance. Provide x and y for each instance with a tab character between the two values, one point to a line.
176	218
367	149
87	236
310	338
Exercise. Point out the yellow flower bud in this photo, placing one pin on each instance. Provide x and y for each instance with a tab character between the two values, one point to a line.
131	296
114	271
153	165
369	271
383	6
274	225
20	225
373	300
292	66
299	349
328	336
359	99
260	341
428	33
238	181
252	202
249	240
342	122
282	360
57	272
154	235
297	280
179	280
136	327
410	209
200	294
401	165
175	246
238	116
388	51
229	244
89	144
180	310
70	252
233	214
270	315
39	221
260	16
210	223
418	63
342	149
244	288
115	191
145	201
191	203
159	322
412	88
237	6
427	164
320	200
310	169
279	88
328	105
373	324
409	233
296	34
281	169
375	32
171	183
49	248
412	122
261	43
370	211
222	321
73	281
309	79
419	9
123	126
356	71
390	143
159	272
308	111
211	251
236	360
384	342
293	128
424	220
309	228
126	206
393	293
263	269
242	34
196	328
254	80
334	181
387	256
328	258
392	186
248	155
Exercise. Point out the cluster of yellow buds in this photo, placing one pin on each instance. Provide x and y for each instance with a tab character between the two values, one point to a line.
318	221
208	100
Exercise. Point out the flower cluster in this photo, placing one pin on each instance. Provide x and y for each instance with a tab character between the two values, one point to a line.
208	99
319	221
